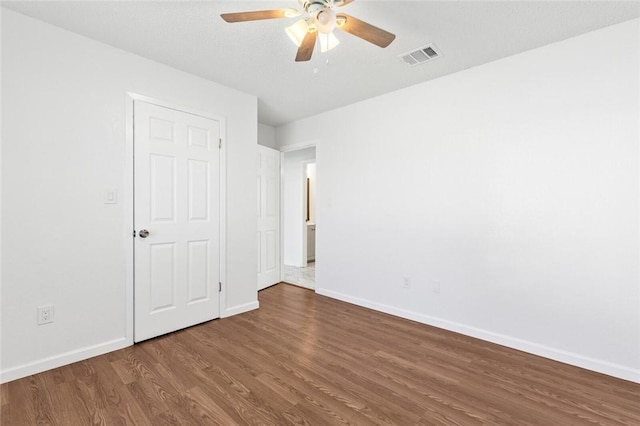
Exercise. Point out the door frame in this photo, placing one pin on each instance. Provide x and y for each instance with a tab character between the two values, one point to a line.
283	150
128	197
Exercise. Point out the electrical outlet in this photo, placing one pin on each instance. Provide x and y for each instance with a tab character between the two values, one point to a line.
45	314
406	283
435	287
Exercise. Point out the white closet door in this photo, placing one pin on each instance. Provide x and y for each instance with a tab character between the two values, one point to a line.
177	219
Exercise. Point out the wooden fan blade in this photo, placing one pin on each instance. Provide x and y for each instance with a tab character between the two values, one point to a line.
365	31
306	48
344	3
257	15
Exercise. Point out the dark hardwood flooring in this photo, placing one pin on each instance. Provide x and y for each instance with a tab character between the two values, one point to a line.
304	359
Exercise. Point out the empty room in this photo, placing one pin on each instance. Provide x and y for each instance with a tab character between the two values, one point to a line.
327	212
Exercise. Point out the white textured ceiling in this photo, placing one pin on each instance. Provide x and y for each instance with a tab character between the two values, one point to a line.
258	57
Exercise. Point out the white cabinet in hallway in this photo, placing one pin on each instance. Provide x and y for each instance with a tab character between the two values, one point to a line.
311	242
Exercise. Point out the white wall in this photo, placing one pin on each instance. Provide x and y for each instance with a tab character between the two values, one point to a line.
267	136
514	184
293	205
63	142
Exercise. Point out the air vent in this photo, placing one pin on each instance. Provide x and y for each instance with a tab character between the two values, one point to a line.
421	55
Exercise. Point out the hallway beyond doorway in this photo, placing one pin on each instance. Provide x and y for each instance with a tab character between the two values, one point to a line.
303	277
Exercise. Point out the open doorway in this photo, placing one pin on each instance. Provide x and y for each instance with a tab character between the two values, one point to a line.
299	217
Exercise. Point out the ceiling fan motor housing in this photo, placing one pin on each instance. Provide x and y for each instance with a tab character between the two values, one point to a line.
314	6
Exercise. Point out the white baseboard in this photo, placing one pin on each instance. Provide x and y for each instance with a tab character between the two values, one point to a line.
81	354
240	309
577	360
56	361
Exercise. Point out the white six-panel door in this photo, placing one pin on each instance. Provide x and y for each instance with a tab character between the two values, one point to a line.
176	199
268	238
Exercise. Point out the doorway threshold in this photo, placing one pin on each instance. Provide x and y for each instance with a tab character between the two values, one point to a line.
303	277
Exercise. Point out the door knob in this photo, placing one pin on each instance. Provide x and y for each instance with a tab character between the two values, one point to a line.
143	233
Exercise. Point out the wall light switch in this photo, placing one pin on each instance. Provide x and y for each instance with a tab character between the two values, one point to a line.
110	196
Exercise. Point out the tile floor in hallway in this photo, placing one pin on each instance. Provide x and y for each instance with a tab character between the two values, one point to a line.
304	277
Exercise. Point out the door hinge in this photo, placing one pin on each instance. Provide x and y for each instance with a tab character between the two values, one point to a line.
220	143
219	287
134	233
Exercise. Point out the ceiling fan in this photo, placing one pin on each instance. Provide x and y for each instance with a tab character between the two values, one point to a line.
318	22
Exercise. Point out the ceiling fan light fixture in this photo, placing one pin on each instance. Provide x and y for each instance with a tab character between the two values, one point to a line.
298	31
328	42
325	20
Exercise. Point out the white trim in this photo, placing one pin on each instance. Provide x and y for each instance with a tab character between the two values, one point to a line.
281	215
222	195
127	204
638	208
555	354
1	210
129	200
240	309
298	146
62	359
177	107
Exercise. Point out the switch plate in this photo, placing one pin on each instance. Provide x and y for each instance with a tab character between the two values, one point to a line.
110	196
406	283
45	314
435	287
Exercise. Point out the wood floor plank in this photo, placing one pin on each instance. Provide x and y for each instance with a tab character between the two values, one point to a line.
4	401
206	409
297	418
305	359
318	414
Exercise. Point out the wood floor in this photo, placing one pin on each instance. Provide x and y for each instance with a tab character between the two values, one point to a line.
304	359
